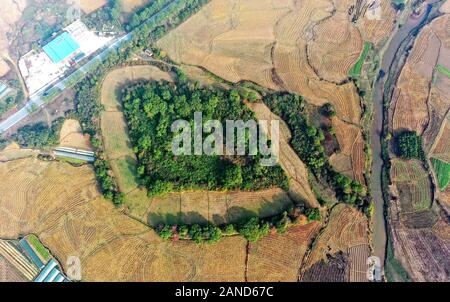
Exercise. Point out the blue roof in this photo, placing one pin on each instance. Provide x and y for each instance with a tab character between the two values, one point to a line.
46	271
61	47
30	252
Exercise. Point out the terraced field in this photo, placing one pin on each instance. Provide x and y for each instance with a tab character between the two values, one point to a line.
412	184
306	47
421	103
340	251
76	221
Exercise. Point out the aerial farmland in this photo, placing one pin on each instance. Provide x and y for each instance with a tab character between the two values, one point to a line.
224	141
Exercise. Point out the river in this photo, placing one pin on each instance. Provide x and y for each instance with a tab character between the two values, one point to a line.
391	64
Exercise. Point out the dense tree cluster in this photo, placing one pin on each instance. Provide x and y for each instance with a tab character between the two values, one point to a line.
307	142
251	229
150	109
409	145
39	135
328	110
106	18
107	182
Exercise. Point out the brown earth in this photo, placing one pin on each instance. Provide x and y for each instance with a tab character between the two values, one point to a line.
421	103
345	235
71	135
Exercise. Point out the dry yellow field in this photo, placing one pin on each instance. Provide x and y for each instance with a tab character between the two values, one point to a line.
278	258
217	207
74	220
88	6
306	47
114	129
71	135
417	107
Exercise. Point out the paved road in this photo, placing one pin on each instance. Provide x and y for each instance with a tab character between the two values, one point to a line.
36	100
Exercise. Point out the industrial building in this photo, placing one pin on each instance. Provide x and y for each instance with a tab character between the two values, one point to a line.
61	48
42	68
77	154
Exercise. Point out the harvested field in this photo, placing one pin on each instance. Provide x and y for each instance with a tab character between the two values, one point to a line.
421	102
412	185
8	273
441	147
88	6
114	129
306	47
346	229
216	207
279	257
358	256
76	221
334	269
71	135
351	143
299	187
10	12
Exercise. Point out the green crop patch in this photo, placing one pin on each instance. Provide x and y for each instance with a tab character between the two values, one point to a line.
357	68
442	170
445	71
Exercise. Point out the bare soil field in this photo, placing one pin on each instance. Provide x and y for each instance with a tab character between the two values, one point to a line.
10	12
216	207
306	47
421	103
343	237
422	96
4	68
71	135
411	185
279	257
445	8
424	252
88	6
76	221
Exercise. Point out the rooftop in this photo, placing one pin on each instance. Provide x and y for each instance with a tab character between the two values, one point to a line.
61	47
